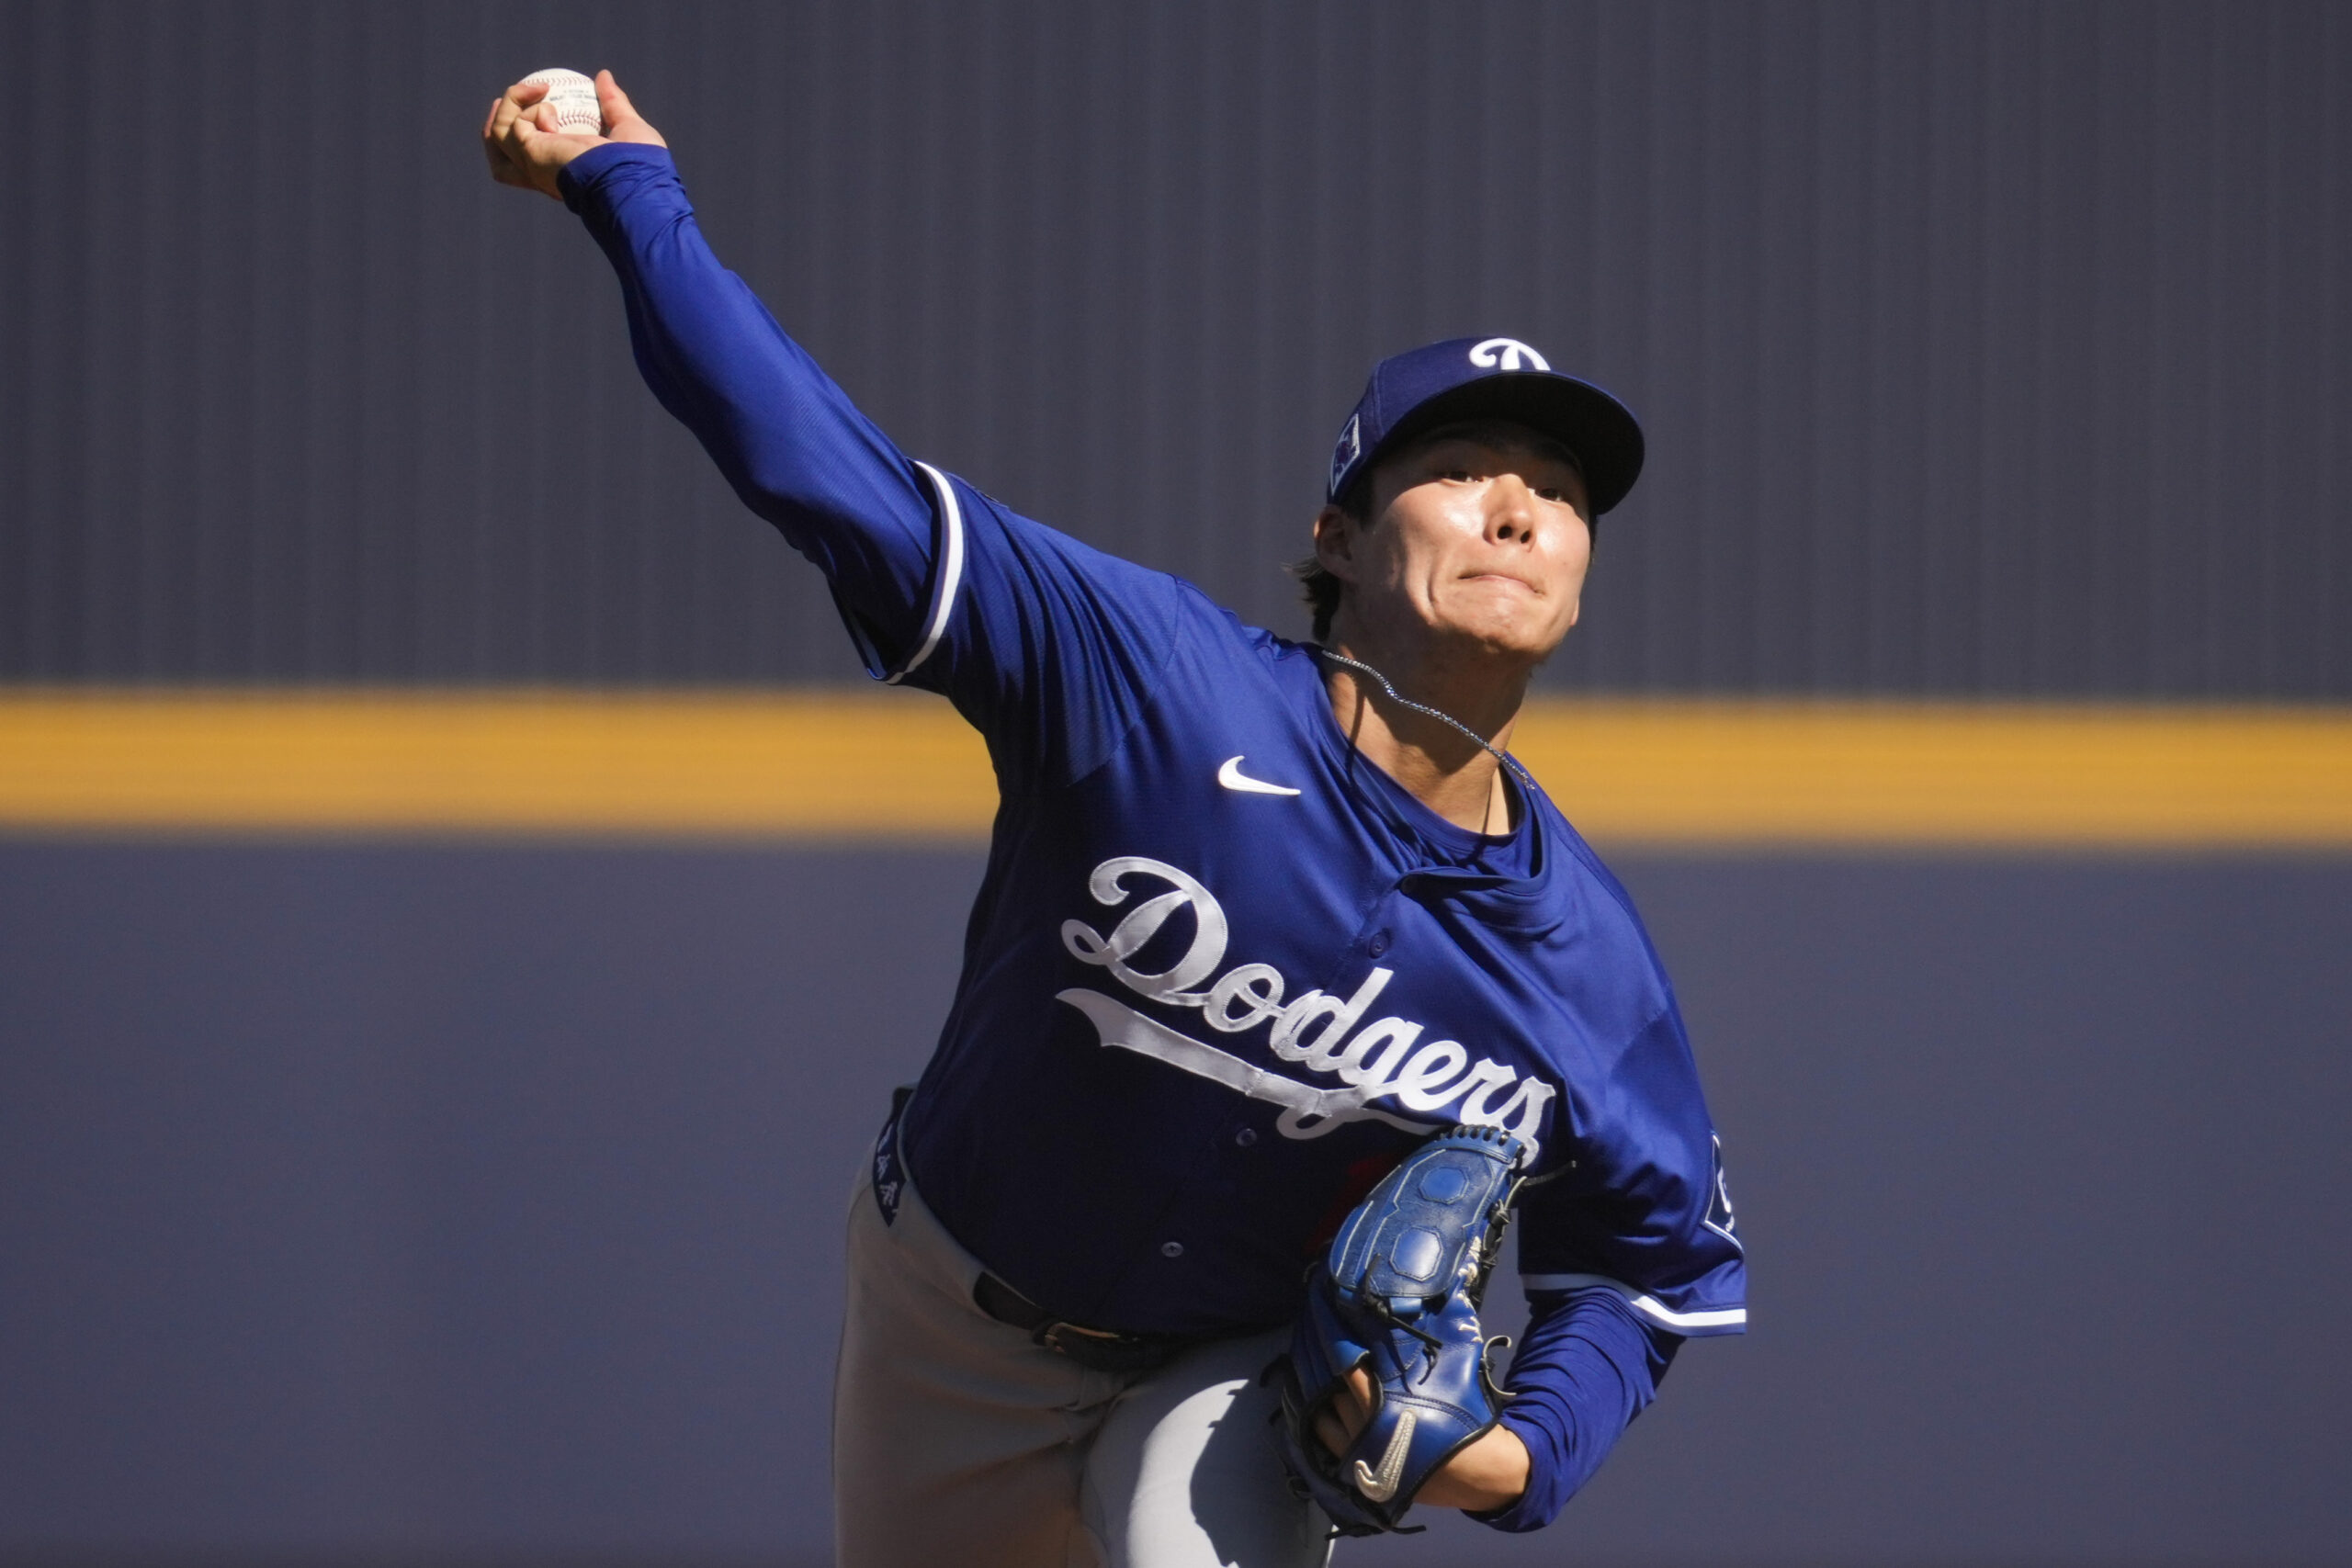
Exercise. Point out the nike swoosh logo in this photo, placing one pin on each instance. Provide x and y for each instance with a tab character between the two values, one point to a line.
1382	1486
1232	777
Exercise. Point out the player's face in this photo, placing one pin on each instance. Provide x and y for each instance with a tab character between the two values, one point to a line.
1477	541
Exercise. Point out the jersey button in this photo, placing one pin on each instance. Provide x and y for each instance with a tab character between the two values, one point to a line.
1378	945
1247	1136
1172	1250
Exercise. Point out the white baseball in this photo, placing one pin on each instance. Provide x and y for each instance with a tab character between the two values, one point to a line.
577	113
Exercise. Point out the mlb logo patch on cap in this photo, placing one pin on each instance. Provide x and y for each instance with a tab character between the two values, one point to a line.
1344	455
1490	378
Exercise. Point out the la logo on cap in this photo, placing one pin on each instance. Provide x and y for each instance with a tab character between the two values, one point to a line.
1507	354
1467	377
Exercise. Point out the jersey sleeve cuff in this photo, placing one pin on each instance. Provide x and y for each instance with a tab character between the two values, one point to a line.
584	179
1539	1504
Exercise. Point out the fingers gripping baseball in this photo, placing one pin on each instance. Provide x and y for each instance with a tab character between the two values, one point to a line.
525	146
622	122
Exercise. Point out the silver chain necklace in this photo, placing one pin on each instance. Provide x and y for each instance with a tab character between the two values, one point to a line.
1403	701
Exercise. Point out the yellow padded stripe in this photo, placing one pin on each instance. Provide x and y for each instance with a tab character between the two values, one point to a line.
822	765
499	762
1860	773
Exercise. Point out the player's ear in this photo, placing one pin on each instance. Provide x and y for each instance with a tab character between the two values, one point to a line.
1335	540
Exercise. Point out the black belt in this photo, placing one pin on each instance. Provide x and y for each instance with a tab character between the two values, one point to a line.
1098	1350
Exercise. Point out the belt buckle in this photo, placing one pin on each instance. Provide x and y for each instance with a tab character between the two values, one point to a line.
1050	1335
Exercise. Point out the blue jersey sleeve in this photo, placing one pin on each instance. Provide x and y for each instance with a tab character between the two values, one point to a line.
1586	1368
1047	647
1641	1207
1626	1247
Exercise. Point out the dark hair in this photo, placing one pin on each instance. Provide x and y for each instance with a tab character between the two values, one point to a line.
1316	585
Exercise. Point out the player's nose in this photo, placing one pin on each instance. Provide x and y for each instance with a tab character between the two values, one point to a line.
1512	511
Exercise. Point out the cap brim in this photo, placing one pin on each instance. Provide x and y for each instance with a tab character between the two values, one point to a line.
1599	430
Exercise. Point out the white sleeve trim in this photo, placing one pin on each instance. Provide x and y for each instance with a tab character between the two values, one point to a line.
951	573
1649	1306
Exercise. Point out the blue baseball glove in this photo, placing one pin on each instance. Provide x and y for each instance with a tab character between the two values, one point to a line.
1398	1295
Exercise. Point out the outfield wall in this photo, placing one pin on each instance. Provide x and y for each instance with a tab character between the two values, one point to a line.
1984	348
433	1203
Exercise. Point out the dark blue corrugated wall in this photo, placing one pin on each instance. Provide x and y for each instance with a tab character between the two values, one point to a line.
481	1208
1986	348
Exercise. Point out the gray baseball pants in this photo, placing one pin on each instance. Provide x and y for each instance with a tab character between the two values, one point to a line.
958	1441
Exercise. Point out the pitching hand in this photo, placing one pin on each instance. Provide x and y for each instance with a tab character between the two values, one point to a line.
523	147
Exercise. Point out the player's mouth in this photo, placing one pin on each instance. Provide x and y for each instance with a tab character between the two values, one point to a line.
1511	577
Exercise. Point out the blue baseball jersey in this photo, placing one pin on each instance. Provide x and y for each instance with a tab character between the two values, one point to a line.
1222	972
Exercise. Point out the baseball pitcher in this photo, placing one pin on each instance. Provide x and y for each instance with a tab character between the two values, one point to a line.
1287	989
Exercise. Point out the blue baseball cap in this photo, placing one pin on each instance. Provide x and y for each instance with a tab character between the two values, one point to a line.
1493	377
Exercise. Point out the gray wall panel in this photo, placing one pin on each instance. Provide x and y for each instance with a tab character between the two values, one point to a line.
1986	348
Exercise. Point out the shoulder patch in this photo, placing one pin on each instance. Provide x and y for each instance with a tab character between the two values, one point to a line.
889	1179
1719	1217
